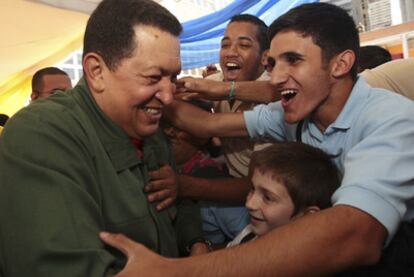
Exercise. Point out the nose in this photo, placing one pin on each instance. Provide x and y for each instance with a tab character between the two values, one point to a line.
279	74
166	92
252	202
232	51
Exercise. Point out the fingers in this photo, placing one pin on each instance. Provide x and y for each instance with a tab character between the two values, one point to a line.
164	172
165	203
120	242
160	195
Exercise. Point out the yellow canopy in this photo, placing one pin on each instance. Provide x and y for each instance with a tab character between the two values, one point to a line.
33	36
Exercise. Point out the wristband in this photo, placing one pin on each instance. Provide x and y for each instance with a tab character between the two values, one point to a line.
202	240
232	91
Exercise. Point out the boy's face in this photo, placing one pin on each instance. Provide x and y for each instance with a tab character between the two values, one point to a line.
269	203
300	76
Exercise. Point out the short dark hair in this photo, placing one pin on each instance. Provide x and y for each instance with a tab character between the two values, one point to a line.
308	173
372	56
3	119
262	28
329	26
110	29
37	80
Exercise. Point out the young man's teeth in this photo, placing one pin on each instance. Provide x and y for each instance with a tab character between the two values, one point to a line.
288	92
232	65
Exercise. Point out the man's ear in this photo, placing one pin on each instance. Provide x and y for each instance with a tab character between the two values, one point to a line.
311	210
34	95
93	66
264	57
342	63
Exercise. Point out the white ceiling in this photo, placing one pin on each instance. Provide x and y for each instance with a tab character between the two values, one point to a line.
85	6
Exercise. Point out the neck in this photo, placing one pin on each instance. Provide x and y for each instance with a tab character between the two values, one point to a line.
331	107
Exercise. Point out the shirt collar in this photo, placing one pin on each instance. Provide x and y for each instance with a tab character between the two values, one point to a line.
352	106
116	142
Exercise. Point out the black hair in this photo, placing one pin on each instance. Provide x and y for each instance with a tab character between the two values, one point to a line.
329	26
37	80
308	173
262	28
110	29
372	56
3	119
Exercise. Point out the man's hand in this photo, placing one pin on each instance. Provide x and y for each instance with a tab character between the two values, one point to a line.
141	261
195	88
199	248
162	187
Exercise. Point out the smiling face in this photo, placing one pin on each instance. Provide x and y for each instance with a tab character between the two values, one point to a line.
269	203
299	74
135	92
240	55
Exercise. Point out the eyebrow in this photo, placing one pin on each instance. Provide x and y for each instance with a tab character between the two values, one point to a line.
238	38
292	54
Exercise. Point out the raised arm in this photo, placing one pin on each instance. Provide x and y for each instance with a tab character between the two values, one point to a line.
200	123
248	91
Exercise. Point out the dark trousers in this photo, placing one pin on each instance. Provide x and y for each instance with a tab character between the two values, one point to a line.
397	260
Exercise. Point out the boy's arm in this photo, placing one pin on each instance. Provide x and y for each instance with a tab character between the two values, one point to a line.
247	91
200	123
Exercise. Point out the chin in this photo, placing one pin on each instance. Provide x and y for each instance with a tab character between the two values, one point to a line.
146	132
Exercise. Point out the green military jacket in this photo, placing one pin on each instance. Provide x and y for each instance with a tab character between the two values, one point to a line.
68	172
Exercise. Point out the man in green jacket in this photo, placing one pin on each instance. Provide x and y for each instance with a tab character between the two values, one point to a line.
76	163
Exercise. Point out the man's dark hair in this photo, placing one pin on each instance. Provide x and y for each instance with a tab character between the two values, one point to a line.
37	80
3	119
110	29
372	56
308	173
329	26
262	28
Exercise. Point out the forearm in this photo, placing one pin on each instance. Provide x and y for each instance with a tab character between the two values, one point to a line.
204	124
223	190
320	244
255	91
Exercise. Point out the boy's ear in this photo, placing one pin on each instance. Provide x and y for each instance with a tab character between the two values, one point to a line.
342	63
93	66
311	210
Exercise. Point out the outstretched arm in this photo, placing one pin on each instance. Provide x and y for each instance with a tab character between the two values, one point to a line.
200	123
319	244
248	91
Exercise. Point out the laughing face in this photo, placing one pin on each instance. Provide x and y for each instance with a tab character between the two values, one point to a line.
269	204
300	76
240	56
134	94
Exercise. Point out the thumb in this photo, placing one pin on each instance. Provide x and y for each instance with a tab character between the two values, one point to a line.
119	241
189	85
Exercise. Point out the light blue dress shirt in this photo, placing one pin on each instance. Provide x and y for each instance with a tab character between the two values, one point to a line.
371	142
